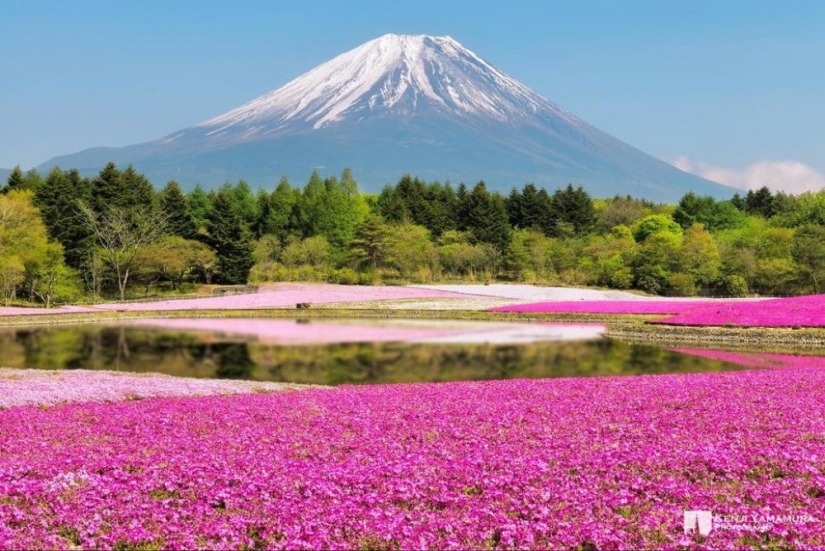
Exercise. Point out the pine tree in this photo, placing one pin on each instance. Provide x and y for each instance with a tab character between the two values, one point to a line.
369	244
231	241
515	209
58	200
462	198
172	204
16	180
760	202
487	217
282	203
574	207
198	207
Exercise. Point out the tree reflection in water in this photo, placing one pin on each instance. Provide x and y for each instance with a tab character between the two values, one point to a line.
209	355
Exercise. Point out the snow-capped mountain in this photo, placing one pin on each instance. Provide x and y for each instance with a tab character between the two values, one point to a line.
419	104
398	75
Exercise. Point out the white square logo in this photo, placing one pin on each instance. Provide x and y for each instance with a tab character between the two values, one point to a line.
698	521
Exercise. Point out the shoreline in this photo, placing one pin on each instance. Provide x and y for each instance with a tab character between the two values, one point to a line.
624	327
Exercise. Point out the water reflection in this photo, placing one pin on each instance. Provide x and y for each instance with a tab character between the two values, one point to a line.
214	355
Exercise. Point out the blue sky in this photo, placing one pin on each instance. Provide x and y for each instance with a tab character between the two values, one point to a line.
719	85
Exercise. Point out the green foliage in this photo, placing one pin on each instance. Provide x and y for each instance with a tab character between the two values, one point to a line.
734	286
807	208
173	259
58	201
655	261
433	206
486	217
408	248
330	208
125	190
607	259
713	215
655	223
198	207
760	202
620	211
313	251
172	204
15	181
48	279
527	258
24	247
808	252
369	243
413	231
231	240
699	256
573	208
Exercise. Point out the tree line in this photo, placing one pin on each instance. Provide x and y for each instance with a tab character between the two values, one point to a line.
64	236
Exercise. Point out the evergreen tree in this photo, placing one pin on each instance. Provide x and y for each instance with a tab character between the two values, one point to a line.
231	240
282	204
259	228
391	205
16	180
487	217
137	192
172	204
575	208
462	204
369	243
738	202
198	207
58	199
515	208
760	202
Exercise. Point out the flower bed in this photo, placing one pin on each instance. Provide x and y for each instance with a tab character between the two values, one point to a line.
35	387
601	463
639	307
286	295
761	360
805	311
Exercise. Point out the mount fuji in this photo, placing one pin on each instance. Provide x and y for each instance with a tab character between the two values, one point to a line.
403	104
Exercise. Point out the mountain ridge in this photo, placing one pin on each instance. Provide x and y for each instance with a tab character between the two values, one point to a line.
403	104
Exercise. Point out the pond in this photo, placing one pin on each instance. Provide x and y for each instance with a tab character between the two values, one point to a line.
204	353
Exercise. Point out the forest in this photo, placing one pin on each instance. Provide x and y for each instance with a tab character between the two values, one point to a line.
67	238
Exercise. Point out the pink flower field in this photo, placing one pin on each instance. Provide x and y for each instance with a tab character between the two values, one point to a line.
287	295
33	387
805	311
607	463
640	307
761	360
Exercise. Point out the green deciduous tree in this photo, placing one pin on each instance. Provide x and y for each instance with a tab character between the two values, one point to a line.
699	256
23	240
121	234
808	251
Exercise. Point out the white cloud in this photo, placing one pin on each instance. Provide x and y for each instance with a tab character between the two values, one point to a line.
788	176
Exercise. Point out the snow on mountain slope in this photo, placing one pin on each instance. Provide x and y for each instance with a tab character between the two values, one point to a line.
403	104
395	74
